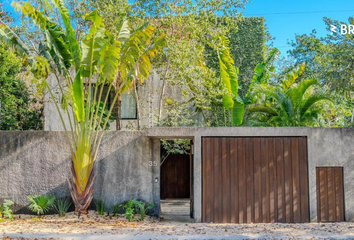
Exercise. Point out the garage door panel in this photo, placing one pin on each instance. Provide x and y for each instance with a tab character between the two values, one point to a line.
226	191
249	180
234	181
289	181
272	180
305	214
280	180
296	178
265	183
255	180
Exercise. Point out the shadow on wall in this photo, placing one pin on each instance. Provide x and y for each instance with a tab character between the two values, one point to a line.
33	163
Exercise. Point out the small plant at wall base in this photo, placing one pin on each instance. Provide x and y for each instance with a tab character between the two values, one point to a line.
6	211
140	205
41	204
100	207
62	206
129	209
115	209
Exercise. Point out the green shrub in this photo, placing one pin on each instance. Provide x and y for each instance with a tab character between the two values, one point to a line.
6	210
62	205
140	205
100	206
129	209
115	209
41	204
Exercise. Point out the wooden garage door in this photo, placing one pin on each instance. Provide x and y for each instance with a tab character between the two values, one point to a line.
330	196
255	180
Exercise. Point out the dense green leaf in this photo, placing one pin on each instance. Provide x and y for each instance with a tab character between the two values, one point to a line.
78	96
73	44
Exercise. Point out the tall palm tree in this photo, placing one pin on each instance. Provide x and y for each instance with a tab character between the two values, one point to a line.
117	61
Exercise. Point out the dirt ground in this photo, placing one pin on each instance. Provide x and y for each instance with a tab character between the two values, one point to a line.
93	226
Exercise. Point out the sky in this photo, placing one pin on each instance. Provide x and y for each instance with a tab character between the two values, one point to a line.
285	18
295	19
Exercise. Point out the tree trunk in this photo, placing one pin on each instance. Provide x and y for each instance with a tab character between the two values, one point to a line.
137	106
118	127
163	90
82	198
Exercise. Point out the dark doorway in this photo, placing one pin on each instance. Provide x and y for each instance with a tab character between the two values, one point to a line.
175	176
176	179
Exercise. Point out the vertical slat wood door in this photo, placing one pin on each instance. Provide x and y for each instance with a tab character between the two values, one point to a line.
330	196
175	177
257	180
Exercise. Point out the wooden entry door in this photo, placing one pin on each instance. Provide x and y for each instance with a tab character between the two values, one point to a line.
330	196
255	180
175	177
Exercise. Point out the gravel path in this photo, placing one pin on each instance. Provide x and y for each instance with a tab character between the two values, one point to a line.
93	226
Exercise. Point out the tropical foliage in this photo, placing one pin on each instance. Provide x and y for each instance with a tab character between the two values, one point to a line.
20	110
82	70
5	210
142	209
100	206
41	204
231	111
229	78
62	206
189	28
287	103
329	59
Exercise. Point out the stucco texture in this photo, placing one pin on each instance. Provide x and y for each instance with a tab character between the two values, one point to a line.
37	162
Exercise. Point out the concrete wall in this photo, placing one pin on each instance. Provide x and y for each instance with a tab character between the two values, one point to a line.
35	162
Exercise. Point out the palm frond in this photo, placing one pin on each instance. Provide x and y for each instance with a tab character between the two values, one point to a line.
109	59
133	48
256	123
124	32
261	108
11	40
296	92
55	39
143	64
291	77
92	44
73	44
311	100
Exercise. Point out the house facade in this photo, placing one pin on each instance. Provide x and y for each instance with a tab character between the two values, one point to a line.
238	174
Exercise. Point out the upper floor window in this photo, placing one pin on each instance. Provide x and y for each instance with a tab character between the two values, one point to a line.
128	109
128	106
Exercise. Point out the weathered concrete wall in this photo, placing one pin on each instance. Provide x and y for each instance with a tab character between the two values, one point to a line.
37	163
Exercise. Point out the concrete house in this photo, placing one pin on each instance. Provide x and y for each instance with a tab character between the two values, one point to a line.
230	174
237	174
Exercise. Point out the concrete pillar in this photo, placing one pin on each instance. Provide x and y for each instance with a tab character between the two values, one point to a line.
155	173
197	178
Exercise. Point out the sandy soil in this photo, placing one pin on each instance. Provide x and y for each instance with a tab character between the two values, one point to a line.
93	226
